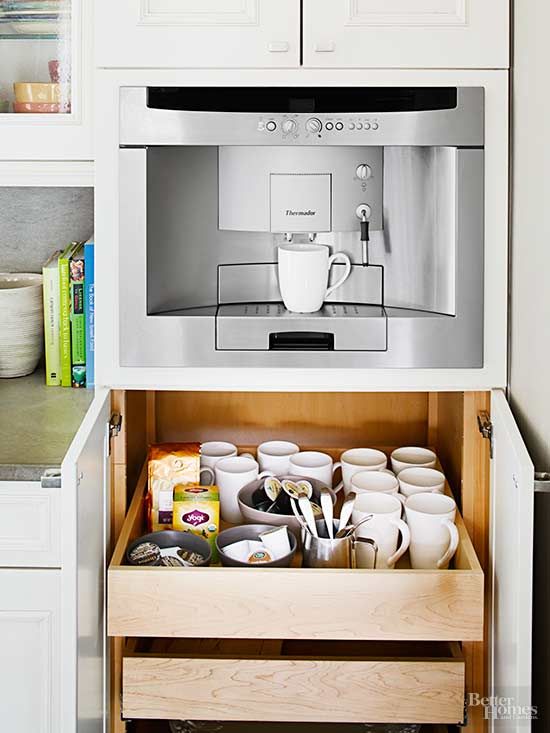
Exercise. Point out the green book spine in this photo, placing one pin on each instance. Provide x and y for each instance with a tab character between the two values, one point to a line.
50	278
65	318
78	319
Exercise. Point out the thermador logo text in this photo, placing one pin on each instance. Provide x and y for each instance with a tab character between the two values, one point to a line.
291	212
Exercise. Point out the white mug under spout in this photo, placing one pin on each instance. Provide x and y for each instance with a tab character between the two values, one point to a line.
303	275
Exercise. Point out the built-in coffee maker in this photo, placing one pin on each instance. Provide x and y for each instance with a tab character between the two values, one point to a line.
213	181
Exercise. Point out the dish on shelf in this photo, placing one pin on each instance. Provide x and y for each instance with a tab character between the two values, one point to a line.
40	107
27	91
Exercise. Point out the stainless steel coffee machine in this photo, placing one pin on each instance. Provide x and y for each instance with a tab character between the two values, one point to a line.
213	180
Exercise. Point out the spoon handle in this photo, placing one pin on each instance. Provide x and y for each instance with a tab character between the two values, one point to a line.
347	509
305	505
326	506
298	516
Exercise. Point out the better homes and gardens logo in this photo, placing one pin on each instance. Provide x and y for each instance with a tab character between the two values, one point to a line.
497	707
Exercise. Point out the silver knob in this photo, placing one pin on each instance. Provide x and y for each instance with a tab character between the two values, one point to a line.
289	126
314	125
363	171
271	126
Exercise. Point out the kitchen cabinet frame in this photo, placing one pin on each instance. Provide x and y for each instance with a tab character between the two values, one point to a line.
446	420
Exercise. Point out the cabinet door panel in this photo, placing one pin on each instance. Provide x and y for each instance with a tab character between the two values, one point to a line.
512	502
198	33
407	33
30	643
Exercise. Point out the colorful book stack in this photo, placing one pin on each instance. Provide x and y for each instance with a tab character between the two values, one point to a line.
69	316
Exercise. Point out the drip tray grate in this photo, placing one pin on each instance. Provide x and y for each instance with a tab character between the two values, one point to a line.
251	326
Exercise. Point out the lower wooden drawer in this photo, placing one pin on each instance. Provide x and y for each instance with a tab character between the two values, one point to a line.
292	681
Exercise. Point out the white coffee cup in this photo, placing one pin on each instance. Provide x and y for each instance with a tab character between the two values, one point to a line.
303	275
314	464
411	457
355	460
434	536
421	481
215	450
383	527
231	475
274	455
381	482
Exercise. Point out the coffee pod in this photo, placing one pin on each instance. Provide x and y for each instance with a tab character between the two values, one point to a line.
259	557
276	541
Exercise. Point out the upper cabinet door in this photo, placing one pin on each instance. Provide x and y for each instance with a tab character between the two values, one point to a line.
46	65
511	576
198	33
407	33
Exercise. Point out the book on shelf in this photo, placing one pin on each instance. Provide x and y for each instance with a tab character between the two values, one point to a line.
51	294
65	314
77	317
89	310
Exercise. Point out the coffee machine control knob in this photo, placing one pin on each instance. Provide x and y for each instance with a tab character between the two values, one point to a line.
363	171
314	125
289	127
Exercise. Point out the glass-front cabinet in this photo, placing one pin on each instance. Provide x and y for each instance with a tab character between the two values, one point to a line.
45	69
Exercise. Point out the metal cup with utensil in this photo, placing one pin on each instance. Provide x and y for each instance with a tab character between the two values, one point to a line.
324	552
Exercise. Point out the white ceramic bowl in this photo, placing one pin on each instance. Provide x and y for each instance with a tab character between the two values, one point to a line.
21	323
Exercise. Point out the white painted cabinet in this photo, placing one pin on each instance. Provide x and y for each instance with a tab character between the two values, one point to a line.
30	634
406	33
198	33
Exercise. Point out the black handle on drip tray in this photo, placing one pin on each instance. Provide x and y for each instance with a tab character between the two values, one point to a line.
301	341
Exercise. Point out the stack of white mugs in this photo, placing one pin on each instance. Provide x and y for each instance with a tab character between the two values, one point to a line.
407	504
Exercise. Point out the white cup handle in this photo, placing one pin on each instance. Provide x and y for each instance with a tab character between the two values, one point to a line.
347	271
453	533
335	467
247	455
405	541
402	498
207	469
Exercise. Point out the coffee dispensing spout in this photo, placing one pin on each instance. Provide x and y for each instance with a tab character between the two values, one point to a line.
363	213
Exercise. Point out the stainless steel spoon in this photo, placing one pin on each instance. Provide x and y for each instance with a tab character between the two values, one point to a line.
307	511
328	513
350	529
347	509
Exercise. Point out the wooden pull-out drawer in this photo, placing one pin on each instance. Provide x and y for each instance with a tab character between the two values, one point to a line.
293	603
293	681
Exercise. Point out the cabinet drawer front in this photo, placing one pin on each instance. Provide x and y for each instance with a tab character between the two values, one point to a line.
286	687
293	603
30	525
407	33
198	33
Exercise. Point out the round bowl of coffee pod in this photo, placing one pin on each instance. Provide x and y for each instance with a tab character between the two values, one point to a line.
254	503
252	532
148	550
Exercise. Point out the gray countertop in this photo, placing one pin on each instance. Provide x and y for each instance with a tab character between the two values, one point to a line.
37	425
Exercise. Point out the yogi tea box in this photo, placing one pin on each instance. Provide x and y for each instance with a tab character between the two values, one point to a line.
197	510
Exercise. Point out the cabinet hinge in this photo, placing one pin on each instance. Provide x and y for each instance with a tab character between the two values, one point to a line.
486	428
115	426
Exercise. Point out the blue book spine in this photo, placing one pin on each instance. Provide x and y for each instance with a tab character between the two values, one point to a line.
89	311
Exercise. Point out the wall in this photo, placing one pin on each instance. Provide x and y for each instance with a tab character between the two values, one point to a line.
530	287
36	221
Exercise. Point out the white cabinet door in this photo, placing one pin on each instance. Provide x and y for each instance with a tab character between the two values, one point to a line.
30	624
511	569
85	482
407	33
30	525
198	33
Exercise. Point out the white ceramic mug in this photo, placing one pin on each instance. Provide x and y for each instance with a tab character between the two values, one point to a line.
231	475
314	464
384	528
411	457
274	455
421	481
303	275
215	450
355	460
434	536
381	482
